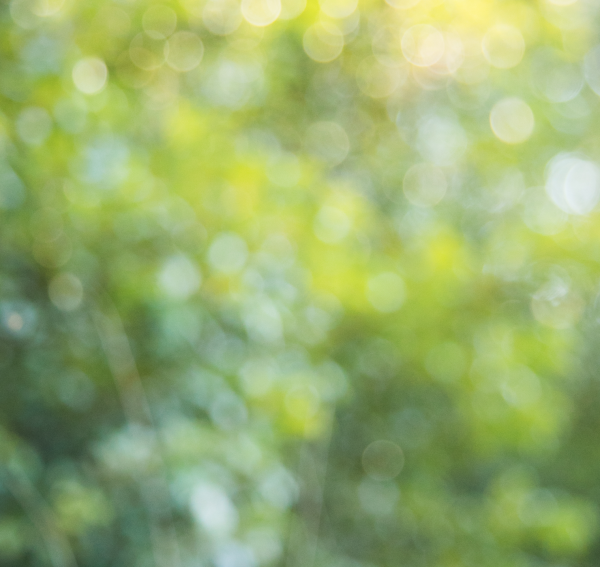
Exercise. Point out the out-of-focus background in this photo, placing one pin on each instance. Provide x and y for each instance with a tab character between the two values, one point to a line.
299	285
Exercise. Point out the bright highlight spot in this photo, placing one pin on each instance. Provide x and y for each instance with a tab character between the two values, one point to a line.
338	8
423	45
14	322
185	51
18	318
573	184
503	46
228	253
555	304
263	321
331	225
424	185
257	376
65	291
279	488
323	42
221	17
146	52
454	55
179	277
302	402
378	80
386	292
291	9
521	388
46	8
512	120
441	140
89	75
402	4
213	510
261	12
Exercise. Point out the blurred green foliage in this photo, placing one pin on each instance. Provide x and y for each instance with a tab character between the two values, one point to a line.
295	284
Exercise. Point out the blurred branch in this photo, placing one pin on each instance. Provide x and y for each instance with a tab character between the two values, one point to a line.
303	539
59	549
154	486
